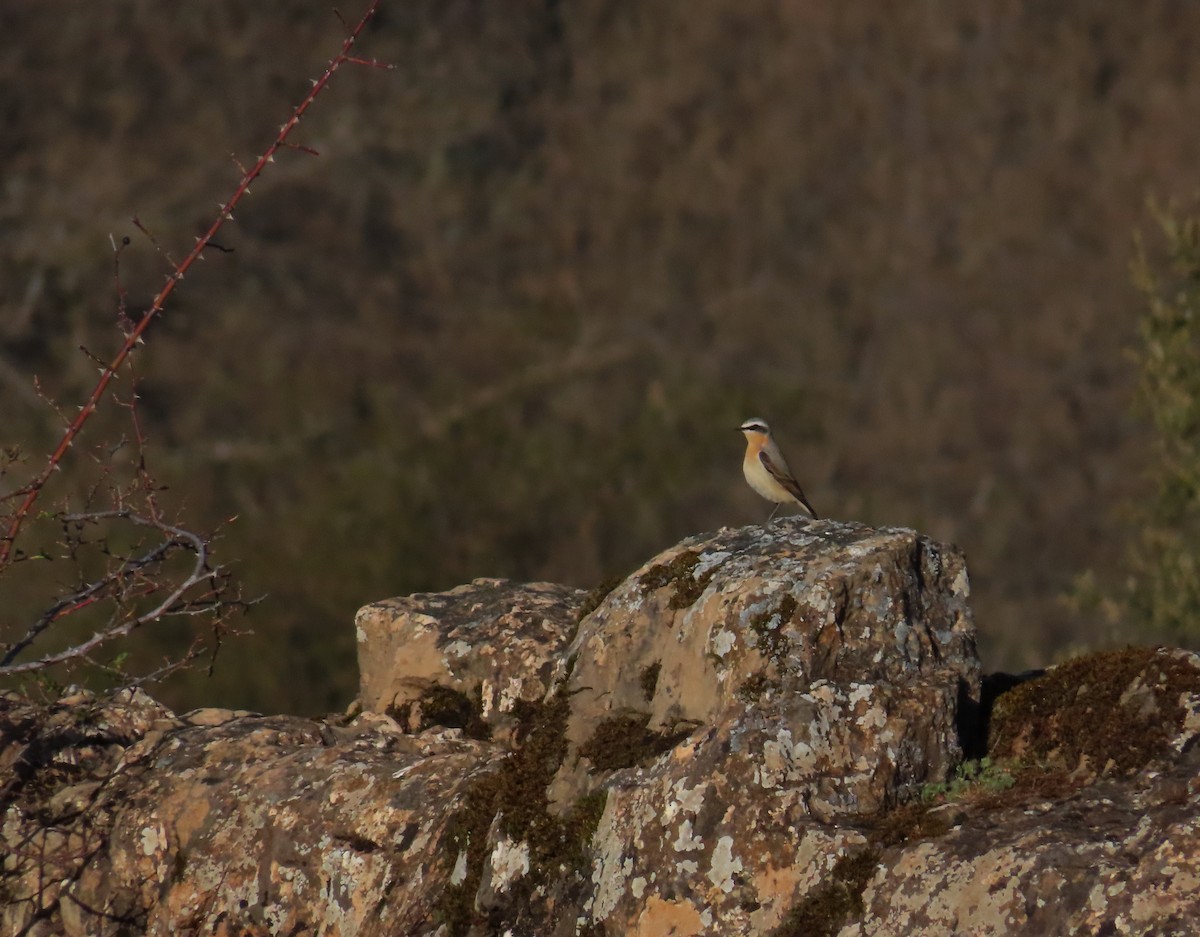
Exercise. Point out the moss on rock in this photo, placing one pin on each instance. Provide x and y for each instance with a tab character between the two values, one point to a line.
1113	711
445	706
516	793
828	908
626	740
679	573
596	596
768	626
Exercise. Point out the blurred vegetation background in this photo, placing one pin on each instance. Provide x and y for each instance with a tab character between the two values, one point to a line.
506	323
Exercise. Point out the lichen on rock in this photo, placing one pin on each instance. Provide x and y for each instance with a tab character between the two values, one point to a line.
733	740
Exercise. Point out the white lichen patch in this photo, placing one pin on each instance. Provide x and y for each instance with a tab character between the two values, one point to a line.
1191	721
153	839
725	865
754	611
710	561
723	642
682	799
873	718
687	840
609	871
342	869
510	694
509	862
459	875
423	624
784	759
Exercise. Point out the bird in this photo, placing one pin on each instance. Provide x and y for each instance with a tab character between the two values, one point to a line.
766	469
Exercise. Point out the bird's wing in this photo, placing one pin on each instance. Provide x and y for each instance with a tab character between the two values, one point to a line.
784	477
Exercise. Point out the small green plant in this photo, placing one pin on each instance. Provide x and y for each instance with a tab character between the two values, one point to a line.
1159	599
982	775
1164	588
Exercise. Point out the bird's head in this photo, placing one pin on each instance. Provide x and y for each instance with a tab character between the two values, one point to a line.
755	428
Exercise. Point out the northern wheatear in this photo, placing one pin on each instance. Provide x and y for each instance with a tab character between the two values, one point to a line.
767	470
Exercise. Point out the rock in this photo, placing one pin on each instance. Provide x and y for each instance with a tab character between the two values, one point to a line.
1106	713
211	716
492	638
760	732
249	826
817	672
1099	831
1112	857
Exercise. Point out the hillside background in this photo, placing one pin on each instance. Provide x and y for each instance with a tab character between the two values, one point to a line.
506	323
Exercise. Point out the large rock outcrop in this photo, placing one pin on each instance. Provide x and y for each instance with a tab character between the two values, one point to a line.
121	818
801	677
761	731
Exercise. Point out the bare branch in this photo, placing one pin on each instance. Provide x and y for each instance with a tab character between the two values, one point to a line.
120	587
33	489
210	601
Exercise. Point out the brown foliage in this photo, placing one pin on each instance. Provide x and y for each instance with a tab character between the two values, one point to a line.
565	248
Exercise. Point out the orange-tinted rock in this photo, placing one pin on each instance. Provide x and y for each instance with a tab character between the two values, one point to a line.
734	741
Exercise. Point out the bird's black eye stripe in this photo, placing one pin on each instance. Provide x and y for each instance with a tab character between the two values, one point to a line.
755	427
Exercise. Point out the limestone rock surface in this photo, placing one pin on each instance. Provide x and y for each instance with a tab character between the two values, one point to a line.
494	638
121	819
808	674
760	732
1100	832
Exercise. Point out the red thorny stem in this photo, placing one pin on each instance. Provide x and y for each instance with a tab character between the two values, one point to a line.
109	371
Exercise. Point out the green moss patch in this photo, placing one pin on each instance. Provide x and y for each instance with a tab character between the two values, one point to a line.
970	777
756	686
679	573
1115	711
829	907
768	626
907	823
580	826
445	706
592	600
626	740
1032	783
467	831
558	846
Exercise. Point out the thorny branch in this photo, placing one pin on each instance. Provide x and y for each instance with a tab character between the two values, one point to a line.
30	492
124	582
143	584
127	581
